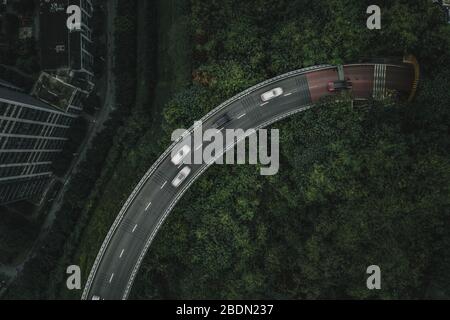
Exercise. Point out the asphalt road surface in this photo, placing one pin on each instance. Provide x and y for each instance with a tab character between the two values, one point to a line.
131	234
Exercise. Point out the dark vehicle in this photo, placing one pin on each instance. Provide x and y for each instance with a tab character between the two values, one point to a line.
222	121
339	85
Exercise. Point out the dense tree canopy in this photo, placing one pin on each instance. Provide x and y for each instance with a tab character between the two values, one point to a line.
357	185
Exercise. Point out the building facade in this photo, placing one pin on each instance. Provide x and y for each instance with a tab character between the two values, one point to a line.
34	127
32	134
63	50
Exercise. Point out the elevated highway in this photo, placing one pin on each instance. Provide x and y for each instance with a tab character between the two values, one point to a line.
136	225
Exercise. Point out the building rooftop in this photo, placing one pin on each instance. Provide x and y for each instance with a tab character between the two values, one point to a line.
54	91
20	97
54	34
60	47
6	84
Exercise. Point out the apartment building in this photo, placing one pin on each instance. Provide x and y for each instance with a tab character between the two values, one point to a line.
34	127
32	133
63	51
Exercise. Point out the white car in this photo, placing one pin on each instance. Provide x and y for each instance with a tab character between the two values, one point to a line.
269	95
181	154
95	298
181	176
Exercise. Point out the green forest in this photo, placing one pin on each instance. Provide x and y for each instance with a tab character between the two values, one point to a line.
357	185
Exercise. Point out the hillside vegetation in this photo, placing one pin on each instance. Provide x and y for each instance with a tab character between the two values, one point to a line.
356	187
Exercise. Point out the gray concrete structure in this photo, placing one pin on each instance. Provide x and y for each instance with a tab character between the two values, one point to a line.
65	51
32	134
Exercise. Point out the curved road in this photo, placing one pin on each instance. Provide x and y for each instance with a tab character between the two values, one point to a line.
132	232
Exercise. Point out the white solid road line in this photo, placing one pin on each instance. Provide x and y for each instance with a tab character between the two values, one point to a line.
263	104
199	147
241	115
164	184
134	229
148	206
110	279
288	94
121	253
